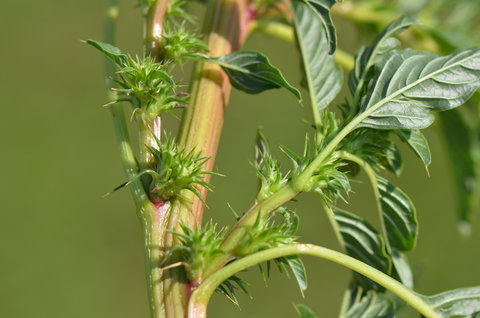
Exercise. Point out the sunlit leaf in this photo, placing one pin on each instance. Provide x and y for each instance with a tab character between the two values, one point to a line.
399	216
463	302
409	84
383	44
322	9
324	78
252	72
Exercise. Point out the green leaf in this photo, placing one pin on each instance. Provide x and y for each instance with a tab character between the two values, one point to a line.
324	78
383	44
463	302
110	51
369	305
399	216
322	9
409	84
402	269
393	157
462	147
304	312
252	72
364	243
417	141
299	271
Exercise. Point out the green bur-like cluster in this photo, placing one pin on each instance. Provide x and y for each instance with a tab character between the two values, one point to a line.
198	247
267	168
144	83
176	170
179	44
264	234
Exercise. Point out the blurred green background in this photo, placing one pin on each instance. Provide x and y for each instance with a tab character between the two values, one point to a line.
67	252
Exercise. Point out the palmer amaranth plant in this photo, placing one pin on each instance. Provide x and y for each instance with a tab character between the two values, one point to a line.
393	92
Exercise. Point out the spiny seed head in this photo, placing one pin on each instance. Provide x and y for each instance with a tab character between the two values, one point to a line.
198	247
264	234
177	170
178	43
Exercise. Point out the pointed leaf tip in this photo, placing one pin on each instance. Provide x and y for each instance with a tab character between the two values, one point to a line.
252	72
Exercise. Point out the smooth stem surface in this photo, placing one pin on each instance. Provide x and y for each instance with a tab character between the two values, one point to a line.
153	28
146	159
200	297
225	29
334	224
147	213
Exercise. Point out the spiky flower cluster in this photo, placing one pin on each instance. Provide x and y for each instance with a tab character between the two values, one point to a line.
267	168
264	234
149	88
176	170
143	82
178	44
198	248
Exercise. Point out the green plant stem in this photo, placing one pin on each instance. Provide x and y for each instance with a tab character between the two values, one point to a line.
153	29
198	302
362	13
289	191
373	180
225	29
287	33
334	224
148	214
233	238
272	28
146	159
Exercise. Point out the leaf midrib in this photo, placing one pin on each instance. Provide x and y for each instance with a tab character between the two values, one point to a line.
382	102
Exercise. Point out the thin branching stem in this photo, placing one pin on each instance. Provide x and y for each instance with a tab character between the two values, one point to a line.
198	302
373	180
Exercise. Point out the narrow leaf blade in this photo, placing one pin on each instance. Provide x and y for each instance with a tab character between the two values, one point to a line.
252	72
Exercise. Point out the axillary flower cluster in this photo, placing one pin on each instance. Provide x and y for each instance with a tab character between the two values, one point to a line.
150	89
